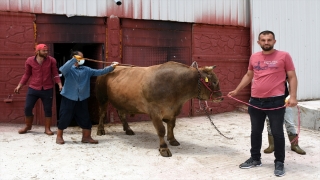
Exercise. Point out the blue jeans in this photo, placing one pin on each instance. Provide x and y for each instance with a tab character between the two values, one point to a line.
276	118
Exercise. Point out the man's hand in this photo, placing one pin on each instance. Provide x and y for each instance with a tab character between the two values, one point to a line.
60	86
78	57
292	102
17	89
114	64
233	93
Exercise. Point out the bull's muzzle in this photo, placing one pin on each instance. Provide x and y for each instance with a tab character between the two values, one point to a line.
217	97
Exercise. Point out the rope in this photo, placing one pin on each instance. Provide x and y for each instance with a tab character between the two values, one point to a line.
254	106
93	60
295	140
195	64
208	115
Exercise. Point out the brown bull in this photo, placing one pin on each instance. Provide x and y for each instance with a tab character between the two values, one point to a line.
159	91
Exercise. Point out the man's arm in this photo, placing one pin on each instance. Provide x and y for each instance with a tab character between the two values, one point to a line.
293	84
247	78
67	66
99	72
55	73
25	78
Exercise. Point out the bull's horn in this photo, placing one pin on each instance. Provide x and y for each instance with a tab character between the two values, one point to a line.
209	68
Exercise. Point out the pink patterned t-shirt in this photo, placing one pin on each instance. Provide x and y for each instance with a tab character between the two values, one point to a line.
269	73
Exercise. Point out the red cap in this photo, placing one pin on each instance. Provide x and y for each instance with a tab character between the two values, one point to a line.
41	47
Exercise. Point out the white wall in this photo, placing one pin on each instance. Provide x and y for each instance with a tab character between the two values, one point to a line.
221	12
296	24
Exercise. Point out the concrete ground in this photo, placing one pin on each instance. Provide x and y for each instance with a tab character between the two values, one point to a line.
203	153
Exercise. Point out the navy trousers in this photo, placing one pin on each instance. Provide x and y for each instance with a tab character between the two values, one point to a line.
33	96
78	110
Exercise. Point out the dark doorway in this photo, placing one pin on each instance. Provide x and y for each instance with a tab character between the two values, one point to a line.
62	53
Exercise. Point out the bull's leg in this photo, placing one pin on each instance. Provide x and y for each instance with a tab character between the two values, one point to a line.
102	113
125	124
161	131
170	135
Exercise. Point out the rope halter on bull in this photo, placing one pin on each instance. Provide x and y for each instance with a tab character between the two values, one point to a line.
201	104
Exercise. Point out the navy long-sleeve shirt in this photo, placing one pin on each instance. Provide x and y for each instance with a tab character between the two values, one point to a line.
77	79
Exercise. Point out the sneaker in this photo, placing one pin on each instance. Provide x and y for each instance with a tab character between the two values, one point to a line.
250	163
279	169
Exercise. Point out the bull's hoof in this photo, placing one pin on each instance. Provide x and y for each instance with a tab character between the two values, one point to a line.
174	142
101	132
129	132
165	152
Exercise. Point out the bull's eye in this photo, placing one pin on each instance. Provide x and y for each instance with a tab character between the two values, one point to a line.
215	83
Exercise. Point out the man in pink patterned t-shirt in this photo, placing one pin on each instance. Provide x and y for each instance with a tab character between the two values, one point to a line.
267	72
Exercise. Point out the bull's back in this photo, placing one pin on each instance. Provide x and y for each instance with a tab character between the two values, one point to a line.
148	82
135	89
168	82
101	85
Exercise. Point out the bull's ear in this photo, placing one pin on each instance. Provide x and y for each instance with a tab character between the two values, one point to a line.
214	66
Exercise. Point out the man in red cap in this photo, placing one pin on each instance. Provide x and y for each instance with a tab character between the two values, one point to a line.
42	71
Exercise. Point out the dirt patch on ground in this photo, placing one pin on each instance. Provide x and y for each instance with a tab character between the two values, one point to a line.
203	153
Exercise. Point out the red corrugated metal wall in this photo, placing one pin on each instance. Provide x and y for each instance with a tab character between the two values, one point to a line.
137	42
147	43
228	48
16	44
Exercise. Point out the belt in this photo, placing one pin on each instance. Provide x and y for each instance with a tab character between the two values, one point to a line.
269	98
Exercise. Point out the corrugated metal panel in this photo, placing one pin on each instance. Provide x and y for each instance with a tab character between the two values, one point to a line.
296	24
221	12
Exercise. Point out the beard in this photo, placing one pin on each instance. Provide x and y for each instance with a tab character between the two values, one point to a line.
43	55
268	48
